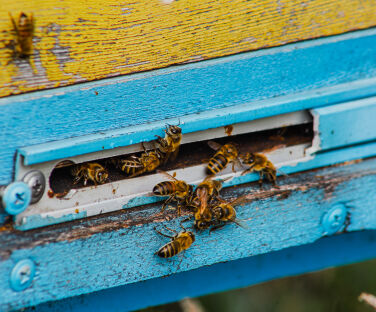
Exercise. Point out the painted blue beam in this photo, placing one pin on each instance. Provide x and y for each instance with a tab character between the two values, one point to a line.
118	249
346	124
299	72
327	252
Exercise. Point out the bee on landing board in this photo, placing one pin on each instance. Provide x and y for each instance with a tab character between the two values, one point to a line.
169	145
135	166
89	171
225	212
24	29
179	242
261	164
200	204
177	190
225	155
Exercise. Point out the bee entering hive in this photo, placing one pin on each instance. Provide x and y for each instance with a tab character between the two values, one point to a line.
126	176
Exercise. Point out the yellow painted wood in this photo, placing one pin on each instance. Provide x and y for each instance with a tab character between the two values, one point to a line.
76	40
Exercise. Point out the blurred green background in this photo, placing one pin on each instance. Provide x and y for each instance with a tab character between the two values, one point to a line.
335	289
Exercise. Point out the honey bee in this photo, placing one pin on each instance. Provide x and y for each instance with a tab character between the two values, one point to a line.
169	145
179	242
204	193
225	212
260	163
177	190
225	154
24	28
89	171
135	166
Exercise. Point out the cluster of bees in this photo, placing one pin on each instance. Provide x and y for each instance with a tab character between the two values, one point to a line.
203	202
208	209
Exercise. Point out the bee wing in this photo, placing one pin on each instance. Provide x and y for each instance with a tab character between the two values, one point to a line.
239	200
203	197
281	172
241	223
214	145
171	177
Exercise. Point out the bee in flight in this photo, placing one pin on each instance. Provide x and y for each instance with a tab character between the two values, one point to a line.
179	242
89	171
261	164
24	28
225	212
225	155
169	145
135	166
177	190
205	192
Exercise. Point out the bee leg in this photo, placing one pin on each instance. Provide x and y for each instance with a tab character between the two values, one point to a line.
181	259
13	22
185	220
233	166
216	227
160	233
171	230
249	170
166	202
260	181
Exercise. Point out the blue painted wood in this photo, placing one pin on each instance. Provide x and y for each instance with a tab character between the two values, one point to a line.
326	252
96	254
197	122
346	124
244	79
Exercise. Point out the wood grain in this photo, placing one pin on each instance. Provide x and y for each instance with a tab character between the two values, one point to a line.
117	249
77	41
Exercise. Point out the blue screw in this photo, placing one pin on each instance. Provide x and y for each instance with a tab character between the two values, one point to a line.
22	275
16	198
334	220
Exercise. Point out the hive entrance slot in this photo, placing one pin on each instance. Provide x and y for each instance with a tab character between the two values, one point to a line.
191	154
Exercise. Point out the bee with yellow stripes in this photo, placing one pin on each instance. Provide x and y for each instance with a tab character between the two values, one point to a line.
179	242
225	155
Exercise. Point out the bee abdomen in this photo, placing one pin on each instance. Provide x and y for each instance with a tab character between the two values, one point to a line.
217	163
169	250
164	188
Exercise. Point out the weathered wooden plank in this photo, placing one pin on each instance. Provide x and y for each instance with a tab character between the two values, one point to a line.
328	252
78	41
118	249
251	86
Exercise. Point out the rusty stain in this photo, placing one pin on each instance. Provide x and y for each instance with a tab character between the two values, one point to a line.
77	203
96	93
113	191
228	129
77	210
50	193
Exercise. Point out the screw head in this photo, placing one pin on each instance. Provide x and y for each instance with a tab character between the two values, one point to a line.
16	198
22	275
37	183
334	220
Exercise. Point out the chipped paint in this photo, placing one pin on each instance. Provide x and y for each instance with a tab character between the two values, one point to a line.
73	43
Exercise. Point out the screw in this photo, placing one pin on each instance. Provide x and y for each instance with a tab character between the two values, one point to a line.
16	197
36	181
22	275
335	219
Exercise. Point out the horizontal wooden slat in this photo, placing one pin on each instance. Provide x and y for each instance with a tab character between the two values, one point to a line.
78	41
118	249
